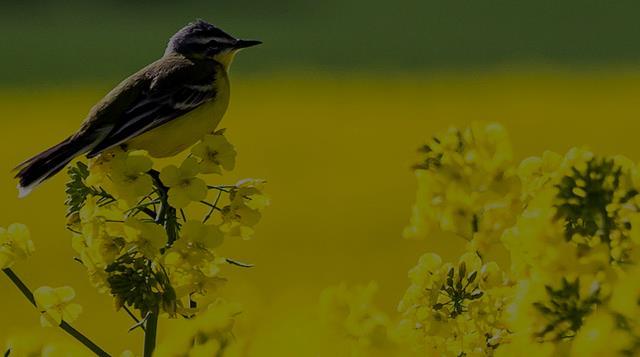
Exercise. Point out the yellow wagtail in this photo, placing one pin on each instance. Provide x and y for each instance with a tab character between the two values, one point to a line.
164	108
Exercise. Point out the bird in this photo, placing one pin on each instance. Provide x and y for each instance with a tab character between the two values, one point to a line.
164	108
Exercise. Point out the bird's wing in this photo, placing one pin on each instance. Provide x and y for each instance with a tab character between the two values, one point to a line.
170	88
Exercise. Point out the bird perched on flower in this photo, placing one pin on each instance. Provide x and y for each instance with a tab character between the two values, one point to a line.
164	108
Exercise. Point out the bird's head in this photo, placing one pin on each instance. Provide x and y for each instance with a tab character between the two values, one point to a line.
202	40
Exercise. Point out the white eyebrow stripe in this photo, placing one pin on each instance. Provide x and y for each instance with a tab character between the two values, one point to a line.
209	39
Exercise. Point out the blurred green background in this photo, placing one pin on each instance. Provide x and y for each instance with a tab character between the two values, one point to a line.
329	111
46	41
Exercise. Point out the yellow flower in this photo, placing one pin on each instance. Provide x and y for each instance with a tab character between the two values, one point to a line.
197	242
243	212
215	153
538	172
626	295
195	247
467	185
184	186
31	343
250	191
351	312
451	310
207	335
599	337
148	237
55	305
100	168
129	176
196	235
15	244
191	262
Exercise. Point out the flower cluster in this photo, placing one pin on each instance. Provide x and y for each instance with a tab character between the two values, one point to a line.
136	232
351	313
15	244
570	226
152	240
467	185
210	334
455	309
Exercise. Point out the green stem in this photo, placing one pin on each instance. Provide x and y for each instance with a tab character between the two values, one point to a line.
133	317
64	325
151	329
166	214
163	195
213	208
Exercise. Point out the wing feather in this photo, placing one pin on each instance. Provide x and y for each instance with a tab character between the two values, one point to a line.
175	88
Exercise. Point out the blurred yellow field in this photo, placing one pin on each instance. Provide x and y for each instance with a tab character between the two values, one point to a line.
336	151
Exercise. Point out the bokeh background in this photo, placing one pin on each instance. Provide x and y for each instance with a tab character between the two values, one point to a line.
329	111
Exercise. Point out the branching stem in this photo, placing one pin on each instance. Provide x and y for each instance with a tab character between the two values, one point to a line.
166	214
64	325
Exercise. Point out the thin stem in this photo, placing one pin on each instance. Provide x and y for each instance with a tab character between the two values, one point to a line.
150	332
144	208
239	264
208	204
137	320
166	214
222	188
20	285
83	339
213	208
163	193
64	325
149	212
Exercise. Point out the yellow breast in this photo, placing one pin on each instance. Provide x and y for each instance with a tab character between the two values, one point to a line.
181	133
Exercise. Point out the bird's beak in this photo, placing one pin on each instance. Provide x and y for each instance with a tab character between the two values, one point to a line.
246	43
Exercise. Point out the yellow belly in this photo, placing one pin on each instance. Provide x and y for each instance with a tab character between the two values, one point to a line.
181	133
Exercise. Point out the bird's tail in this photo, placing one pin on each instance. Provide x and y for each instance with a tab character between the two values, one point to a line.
43	166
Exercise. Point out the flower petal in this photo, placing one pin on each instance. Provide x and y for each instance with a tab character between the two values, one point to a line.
65	293
45	297
190	167
178	198
170	175
197	190
71	312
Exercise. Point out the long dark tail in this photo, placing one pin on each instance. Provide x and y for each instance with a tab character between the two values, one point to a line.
43	166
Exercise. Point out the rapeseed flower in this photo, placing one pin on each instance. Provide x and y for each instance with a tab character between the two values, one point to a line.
207	335
457	309
184	185
215	153
467	185
147	237
130	178
55	305
243	212
15	244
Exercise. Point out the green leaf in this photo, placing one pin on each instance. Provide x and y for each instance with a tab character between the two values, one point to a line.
77	191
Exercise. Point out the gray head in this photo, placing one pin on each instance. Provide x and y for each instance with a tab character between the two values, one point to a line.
200	39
